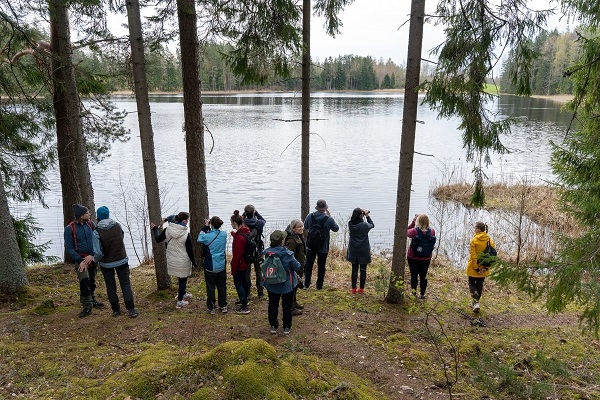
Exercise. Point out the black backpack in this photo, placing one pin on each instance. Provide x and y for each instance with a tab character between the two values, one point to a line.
251	252
422	245
316	234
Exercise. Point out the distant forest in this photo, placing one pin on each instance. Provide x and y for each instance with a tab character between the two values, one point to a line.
555	52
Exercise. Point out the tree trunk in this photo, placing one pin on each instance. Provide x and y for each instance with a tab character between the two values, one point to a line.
194	127
138	59
75	175
305	156
407	148
12	269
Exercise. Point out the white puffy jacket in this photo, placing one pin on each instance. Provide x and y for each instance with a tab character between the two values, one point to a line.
178	261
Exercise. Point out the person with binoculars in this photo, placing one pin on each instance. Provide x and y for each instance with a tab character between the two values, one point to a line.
359	248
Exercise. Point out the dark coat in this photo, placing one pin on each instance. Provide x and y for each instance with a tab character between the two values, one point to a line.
359	248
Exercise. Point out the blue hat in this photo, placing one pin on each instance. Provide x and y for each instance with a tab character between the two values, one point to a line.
79	210
102	213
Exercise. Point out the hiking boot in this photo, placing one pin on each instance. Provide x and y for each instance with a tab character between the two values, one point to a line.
85	312
133	313
476	307
211	311
185	296
297	311
261	294
298	306
97	304
286	331
181	304
353	291
422	297
361	291
116	313
224	310
274	330
242	310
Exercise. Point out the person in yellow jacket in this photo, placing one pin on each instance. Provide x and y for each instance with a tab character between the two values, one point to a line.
476	272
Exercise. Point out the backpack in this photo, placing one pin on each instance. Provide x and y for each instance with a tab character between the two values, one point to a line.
422	245
316	234
488	257
272	270
73	226
251	253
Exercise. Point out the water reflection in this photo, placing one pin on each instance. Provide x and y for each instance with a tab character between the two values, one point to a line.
355	142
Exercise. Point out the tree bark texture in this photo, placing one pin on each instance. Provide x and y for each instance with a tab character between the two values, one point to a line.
194	123
138	59
74	170
407	148
305	152
12	269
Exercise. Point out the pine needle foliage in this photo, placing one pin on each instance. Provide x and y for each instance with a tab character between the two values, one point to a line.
477	33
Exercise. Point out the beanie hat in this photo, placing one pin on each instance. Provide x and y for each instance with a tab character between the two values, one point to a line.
79	210
102	213
277	236
321	205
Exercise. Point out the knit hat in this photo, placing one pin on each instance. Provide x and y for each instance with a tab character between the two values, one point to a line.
79	210
277	236
102	213
321	205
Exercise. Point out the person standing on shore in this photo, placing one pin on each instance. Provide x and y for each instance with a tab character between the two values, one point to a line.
239	265
79	244
180	253
214	241
477	273
419	252
318	225
359	248
110	253
256	223
296	243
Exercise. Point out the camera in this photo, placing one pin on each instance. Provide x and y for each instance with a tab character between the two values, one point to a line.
366	212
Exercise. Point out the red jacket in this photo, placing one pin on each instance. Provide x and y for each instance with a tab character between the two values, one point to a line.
237	248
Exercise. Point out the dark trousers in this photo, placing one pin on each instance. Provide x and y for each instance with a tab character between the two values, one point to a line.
287	304
241	286
308	268
216	280
122	272
87	285
418	272
363	275
476	287
257	274
182	288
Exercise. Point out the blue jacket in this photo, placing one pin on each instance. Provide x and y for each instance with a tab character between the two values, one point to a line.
215	240
329	225
290	264
84	240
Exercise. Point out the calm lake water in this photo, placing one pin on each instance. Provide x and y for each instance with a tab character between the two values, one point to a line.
355	146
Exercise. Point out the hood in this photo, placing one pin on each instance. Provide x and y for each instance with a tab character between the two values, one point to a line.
176	230
319	216
354	225
105	224
254	223
481	237
244	229
280	251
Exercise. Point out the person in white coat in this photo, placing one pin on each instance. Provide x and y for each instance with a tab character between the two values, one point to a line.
180	253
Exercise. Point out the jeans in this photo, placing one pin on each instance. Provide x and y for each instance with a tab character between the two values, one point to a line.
363	275
308	268
216	280
418	272
241	286
476	287
87	285
287	304
122	272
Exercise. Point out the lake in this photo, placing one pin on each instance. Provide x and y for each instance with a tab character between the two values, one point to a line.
355	142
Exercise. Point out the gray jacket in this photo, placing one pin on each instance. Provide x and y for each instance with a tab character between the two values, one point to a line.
359	248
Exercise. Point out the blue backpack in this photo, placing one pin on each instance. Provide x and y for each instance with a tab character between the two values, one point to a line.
422	245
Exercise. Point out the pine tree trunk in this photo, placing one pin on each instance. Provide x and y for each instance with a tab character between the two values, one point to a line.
194	123
407	148
75	175
305	156
12	269
138	58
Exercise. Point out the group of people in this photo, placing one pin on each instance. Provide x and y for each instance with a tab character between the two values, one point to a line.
294	250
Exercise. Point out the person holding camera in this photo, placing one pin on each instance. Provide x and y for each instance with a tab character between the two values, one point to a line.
359	248
214	241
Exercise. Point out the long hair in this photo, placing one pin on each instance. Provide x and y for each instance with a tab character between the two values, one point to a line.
422	222
357	214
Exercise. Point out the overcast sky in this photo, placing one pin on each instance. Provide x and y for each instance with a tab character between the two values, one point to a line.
372	28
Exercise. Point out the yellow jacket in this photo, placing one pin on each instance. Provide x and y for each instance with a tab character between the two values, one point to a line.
478	245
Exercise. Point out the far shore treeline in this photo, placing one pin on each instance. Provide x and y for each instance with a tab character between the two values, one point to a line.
344	72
